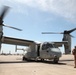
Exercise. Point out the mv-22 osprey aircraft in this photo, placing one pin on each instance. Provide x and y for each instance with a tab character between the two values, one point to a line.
35	50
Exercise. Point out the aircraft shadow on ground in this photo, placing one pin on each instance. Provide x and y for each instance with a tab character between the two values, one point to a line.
9	62
68	60
32	61
51	62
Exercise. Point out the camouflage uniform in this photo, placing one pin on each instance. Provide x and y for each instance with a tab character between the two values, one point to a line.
74	53
1	34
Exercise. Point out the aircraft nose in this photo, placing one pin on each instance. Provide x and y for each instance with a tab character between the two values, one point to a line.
56	52
55	49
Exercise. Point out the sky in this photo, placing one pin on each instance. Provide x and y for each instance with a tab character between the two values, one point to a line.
36	16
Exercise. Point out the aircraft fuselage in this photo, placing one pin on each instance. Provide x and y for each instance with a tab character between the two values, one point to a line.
43	51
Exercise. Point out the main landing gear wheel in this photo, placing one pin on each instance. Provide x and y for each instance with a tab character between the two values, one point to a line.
24	58
42	60
56	60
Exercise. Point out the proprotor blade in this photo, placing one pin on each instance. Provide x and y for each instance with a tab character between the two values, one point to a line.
4	11
51	33
13	27
70	31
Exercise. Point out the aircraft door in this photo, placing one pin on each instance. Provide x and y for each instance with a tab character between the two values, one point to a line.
44	52
38	50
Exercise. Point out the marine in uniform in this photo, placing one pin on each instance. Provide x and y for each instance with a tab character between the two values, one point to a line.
74	53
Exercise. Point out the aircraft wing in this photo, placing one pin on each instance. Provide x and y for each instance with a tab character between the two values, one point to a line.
16	41
59	44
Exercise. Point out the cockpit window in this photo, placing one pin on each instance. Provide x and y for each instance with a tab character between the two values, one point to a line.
47	45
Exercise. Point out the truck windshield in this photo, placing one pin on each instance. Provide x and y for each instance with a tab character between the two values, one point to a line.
47	45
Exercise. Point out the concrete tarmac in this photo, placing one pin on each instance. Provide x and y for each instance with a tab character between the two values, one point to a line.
13	65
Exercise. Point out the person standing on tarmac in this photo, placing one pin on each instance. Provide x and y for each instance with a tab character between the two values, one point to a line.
1	34
74	53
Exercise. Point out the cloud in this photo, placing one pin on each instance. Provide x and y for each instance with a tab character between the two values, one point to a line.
64	8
